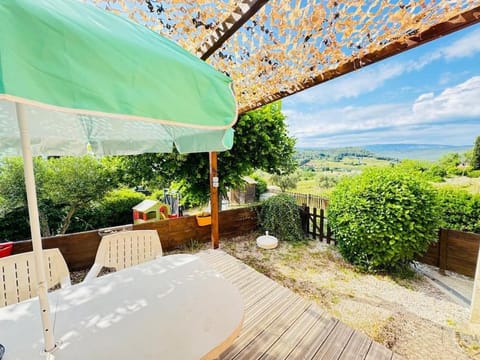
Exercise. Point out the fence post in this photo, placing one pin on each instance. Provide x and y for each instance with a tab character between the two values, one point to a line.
329	234
322	219
303	217
443	249
314	223
475	308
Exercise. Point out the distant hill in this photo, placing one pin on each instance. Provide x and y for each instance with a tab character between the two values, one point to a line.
415	151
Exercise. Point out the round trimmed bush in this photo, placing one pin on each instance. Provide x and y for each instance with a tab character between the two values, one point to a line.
280	216
383	218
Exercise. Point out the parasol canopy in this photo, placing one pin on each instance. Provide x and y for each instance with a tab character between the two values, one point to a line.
92	81
75	79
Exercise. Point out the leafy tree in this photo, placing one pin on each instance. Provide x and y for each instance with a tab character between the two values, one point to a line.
74	183
476	155
450	163
12	188
286	181
327	181
383	218
261	142
64	185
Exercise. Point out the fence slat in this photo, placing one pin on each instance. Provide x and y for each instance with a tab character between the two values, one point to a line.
322	219
443	248
313	223
312	201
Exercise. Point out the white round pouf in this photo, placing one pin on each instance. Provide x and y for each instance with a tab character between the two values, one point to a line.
267	241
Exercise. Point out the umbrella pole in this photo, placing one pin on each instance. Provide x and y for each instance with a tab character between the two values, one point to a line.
35	228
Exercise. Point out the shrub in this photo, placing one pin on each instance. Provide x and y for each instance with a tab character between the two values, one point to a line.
460	210
285	182
280	216
261	186
473	173
113	210
383	218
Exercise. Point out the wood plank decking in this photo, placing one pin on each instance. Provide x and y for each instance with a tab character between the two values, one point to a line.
280	324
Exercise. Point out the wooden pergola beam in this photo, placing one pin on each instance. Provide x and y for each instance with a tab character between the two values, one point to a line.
461	21
242	13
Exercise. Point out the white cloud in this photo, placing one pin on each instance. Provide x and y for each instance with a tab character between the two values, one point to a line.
350	85
455	106
459	101
468	45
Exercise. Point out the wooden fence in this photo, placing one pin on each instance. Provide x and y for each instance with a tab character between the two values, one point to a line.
315	224
455	251
79	249
312	201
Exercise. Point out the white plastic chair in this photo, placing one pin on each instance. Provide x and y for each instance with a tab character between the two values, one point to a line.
124	249
18	280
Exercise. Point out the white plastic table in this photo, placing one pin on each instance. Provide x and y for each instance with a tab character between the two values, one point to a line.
175	307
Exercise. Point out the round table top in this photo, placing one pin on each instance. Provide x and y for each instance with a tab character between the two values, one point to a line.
175	307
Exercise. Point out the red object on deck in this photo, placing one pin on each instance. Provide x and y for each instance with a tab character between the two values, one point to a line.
6	249
173	216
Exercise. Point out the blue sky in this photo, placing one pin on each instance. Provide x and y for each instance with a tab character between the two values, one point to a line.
427	95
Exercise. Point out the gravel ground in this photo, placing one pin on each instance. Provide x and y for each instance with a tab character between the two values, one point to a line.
410	316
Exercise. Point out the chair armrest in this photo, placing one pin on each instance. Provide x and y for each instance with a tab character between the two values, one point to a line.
66	282
93	273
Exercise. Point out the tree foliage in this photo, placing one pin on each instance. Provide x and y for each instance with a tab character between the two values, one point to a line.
64	185
383	218
261	142
285	181
114	209
74	183
476	155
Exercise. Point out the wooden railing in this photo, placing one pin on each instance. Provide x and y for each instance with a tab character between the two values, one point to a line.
79	249
312	201
315	224
455	251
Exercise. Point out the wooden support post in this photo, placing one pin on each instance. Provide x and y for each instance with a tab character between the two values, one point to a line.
314	223
214	199
443	248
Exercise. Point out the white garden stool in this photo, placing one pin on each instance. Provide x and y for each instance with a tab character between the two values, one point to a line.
267	241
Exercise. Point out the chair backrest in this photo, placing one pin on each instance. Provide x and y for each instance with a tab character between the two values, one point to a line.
18	280
128	248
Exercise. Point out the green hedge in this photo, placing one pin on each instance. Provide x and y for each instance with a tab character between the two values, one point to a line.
113	210
460	210
280	216
383	218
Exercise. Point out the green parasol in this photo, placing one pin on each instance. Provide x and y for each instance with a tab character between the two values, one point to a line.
75	79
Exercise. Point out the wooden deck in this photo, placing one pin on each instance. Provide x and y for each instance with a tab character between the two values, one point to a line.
280	324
